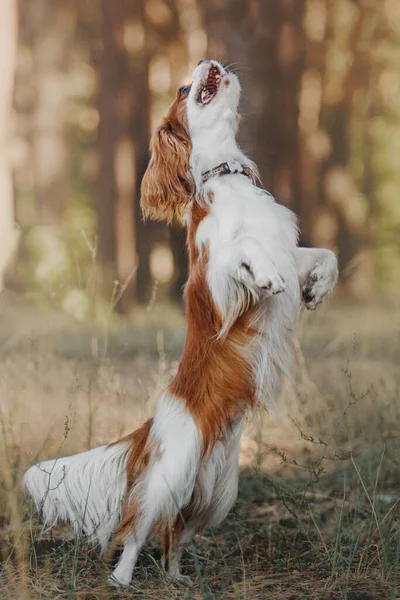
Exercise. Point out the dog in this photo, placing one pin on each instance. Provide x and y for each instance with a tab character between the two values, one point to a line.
248	281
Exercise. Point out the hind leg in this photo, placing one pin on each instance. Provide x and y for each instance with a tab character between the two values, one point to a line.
165	486
211	505
175	542
226	488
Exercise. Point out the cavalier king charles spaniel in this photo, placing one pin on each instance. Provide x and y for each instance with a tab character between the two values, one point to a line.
248	280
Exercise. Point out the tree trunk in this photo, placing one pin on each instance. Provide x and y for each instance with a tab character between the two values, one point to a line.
338	189
109	82
266	38
124	105
140	132
166	34
178	248
8	43
52	26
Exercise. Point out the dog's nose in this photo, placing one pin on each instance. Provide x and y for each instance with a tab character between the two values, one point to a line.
200	61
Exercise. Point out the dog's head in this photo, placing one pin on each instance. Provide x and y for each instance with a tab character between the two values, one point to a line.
213	98
209	102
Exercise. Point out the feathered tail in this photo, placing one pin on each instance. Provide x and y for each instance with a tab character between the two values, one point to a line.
87	490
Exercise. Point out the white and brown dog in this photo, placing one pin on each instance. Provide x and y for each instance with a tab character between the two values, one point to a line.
247	282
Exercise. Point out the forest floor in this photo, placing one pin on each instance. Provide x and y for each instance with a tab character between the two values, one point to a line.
318	511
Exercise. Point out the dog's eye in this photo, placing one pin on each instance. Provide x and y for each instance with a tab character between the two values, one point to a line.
184	90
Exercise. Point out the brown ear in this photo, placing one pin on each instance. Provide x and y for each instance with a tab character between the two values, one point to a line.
166	185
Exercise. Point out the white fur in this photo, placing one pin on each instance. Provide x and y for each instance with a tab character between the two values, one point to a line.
214	494
250	239
86	490
167	484
213	127
318	274
246	226
251	242
176	477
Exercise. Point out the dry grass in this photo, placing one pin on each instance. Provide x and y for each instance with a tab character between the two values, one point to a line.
317	515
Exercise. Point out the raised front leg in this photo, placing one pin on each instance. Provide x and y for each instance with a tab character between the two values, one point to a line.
318	272
238	274
256	268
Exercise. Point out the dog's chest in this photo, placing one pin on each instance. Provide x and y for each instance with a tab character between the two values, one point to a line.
247	212
234	219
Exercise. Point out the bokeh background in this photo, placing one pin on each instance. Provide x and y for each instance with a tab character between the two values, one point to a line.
84	84
91	317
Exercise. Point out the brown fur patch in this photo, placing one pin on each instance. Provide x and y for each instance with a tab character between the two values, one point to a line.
139	455
214	378
167	185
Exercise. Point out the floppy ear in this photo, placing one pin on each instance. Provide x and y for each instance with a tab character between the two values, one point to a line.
166	185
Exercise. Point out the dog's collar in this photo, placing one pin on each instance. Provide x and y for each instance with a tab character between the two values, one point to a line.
228	168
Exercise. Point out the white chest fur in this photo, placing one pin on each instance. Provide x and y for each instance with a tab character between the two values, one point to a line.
251	242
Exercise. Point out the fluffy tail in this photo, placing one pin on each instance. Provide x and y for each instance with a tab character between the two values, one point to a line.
86	490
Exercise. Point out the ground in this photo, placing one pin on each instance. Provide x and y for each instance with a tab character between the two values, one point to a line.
317	514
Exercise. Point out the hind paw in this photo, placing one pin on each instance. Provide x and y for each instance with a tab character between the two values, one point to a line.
182	579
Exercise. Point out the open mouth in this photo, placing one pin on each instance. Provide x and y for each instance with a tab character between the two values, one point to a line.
209	87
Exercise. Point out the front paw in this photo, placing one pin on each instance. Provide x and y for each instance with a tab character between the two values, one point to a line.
320	282
268	279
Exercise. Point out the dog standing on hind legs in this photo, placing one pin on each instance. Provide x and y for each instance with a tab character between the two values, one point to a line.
247	282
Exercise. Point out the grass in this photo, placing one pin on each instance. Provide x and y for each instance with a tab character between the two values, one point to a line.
318	508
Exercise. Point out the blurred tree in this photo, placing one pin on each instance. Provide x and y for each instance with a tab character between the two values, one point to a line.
109	81
267	38
165	55
123	141
178	246
114	106
8	45
310	62
42	157
52	30
140	56
320	102
339	114
132	34
380	137
336	107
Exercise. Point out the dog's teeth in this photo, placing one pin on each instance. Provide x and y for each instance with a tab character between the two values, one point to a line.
203	95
